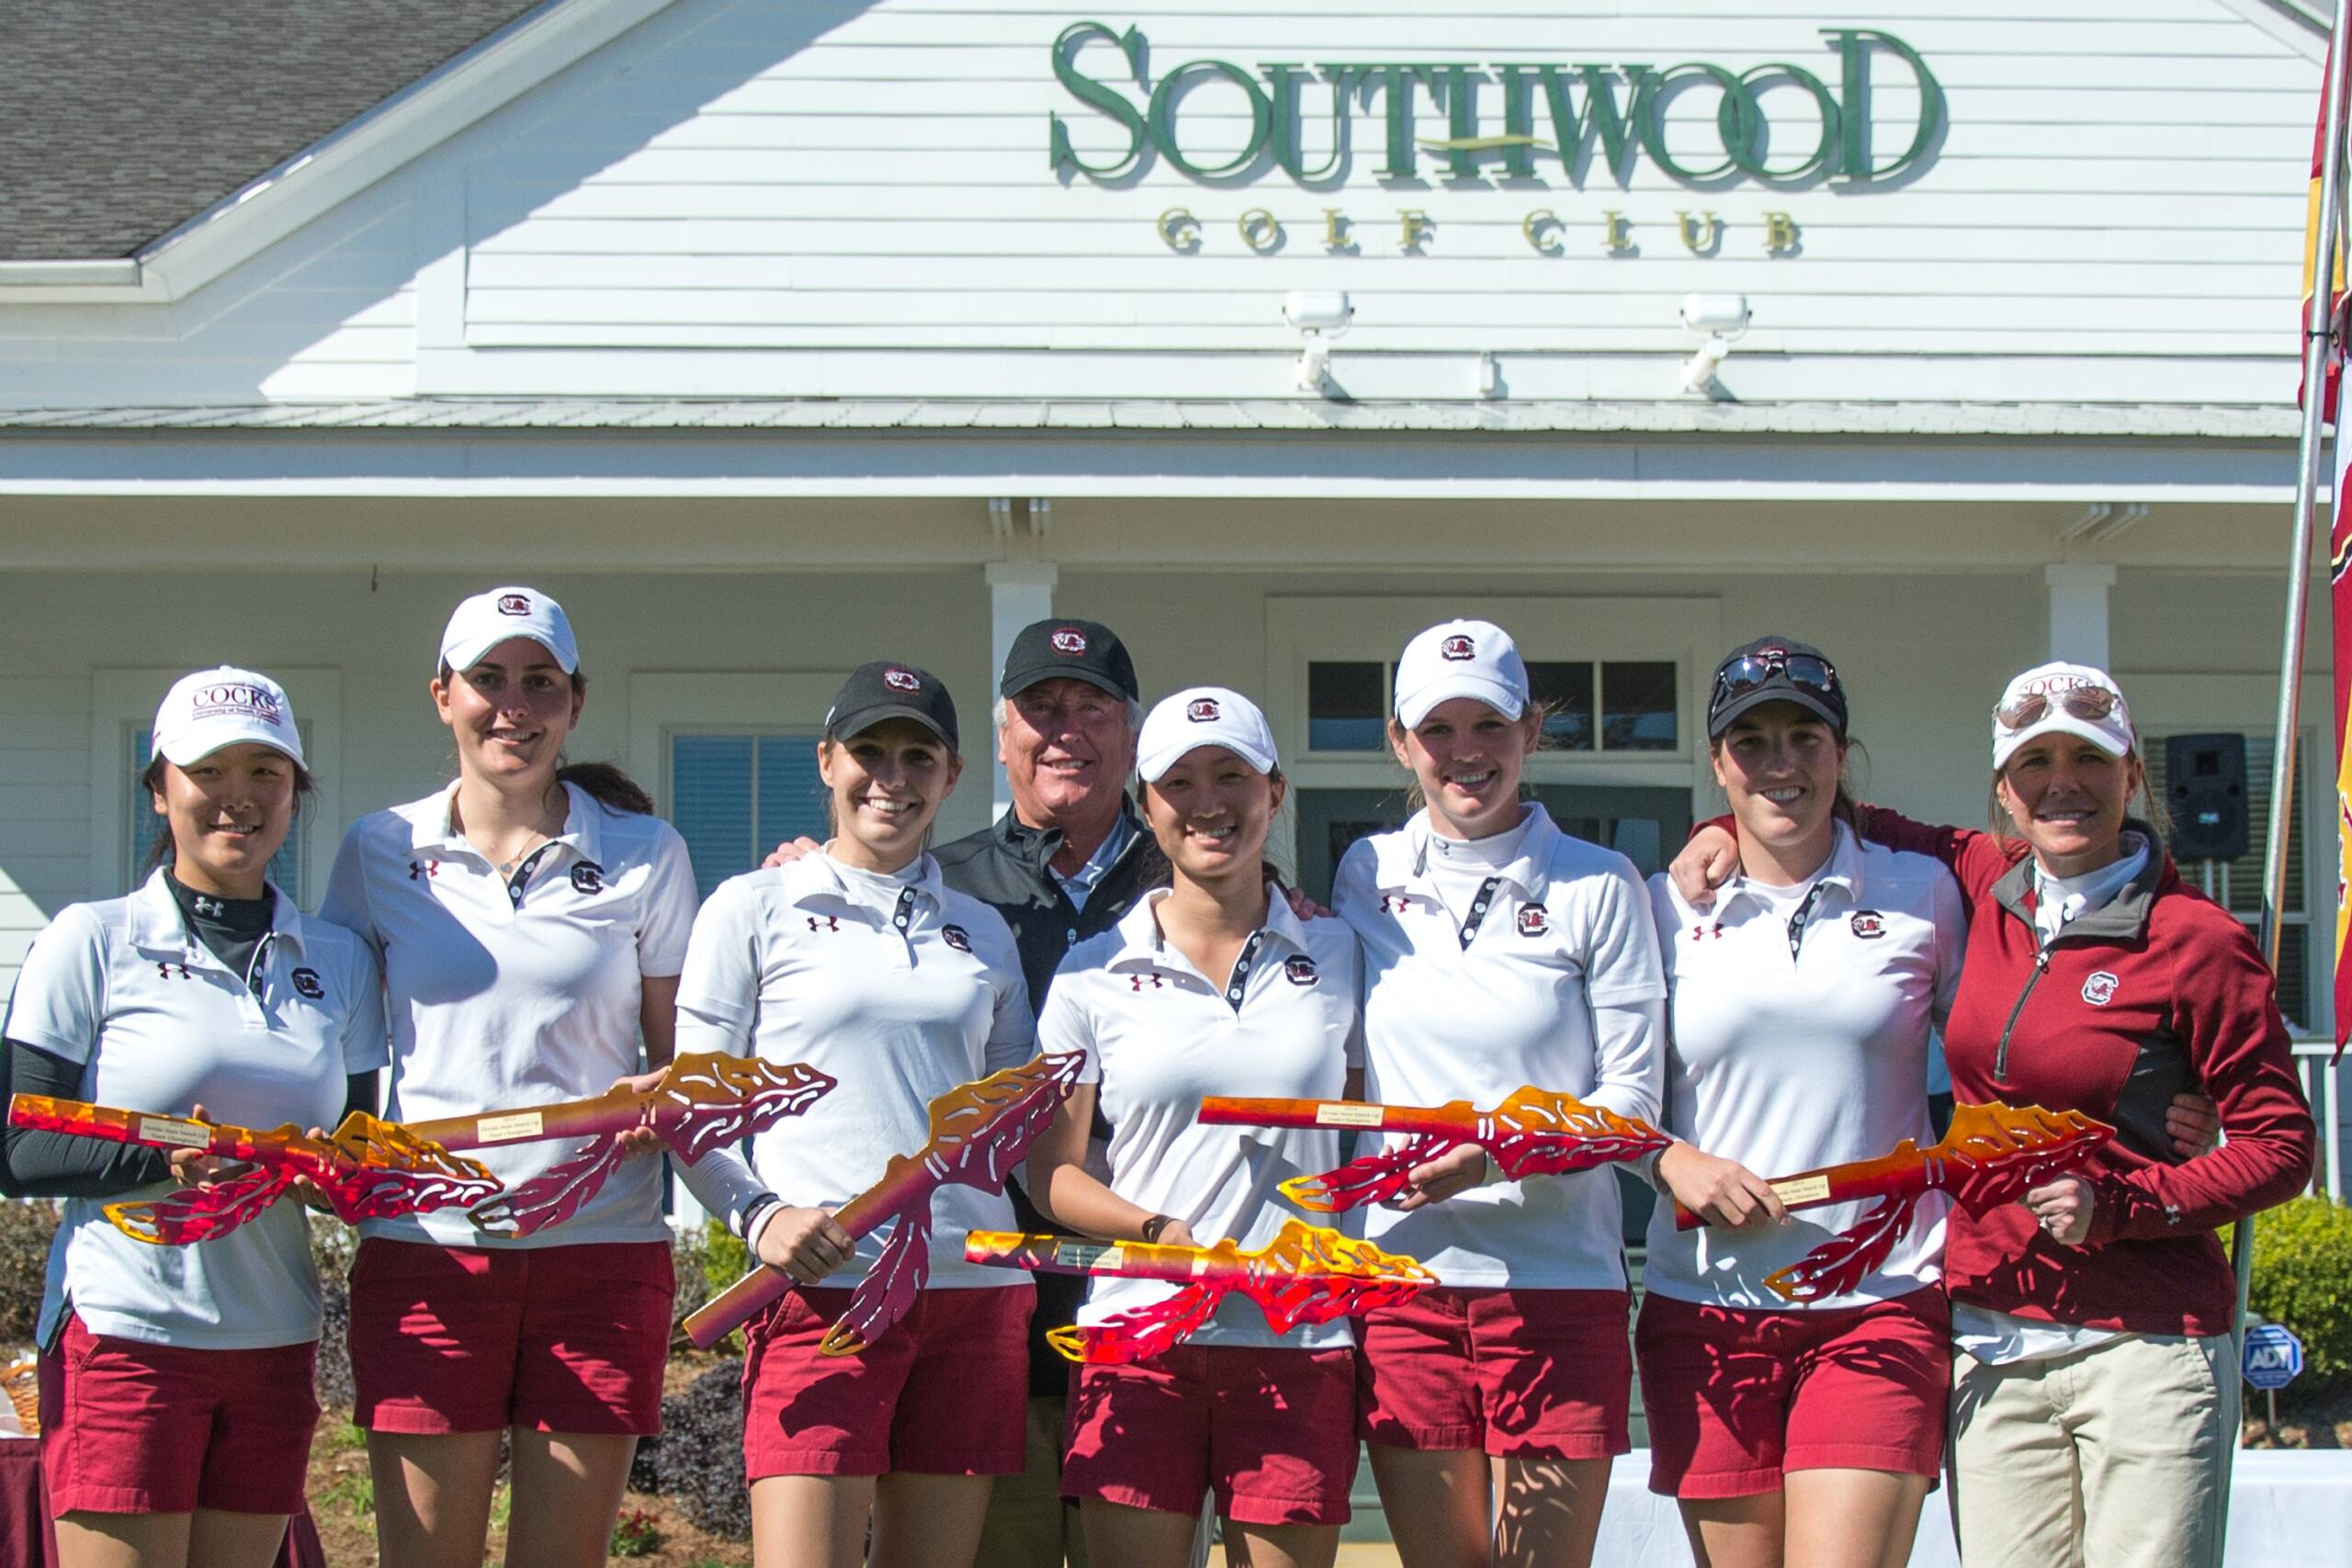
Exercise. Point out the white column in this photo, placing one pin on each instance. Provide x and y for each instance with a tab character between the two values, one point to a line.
2079	611
1019	593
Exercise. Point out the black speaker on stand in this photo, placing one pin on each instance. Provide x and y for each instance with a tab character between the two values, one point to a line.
2205	780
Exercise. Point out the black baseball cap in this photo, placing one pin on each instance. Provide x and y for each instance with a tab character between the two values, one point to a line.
1775	670
1073	650
888	690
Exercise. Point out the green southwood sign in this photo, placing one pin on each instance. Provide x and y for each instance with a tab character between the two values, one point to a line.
1606	115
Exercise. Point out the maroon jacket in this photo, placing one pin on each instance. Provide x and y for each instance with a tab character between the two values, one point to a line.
2160	990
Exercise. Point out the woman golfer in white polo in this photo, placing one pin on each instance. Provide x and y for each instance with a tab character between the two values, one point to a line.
1498	952
175	1398
532	920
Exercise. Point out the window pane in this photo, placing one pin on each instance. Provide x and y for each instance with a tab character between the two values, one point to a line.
1345	710
791	798
1637	707
1566	691
711	805
285	866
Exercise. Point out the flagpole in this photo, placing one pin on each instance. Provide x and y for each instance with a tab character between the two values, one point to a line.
2317	324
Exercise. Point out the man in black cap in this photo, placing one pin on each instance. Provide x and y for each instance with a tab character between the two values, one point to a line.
1067	862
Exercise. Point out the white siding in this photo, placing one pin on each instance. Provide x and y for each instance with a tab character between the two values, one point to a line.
741	198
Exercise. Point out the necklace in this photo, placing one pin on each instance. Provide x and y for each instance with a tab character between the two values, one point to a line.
506	867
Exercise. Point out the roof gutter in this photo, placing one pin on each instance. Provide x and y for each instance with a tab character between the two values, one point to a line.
455	93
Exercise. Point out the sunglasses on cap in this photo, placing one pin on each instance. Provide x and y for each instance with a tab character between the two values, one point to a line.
1750	671
2092	703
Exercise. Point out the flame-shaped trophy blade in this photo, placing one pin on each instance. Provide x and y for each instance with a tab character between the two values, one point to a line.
978	1132
1305	1274
704	1100
1535	1132
366	1170
1991	1156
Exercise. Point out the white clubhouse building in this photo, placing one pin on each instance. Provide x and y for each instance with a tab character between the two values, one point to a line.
771	338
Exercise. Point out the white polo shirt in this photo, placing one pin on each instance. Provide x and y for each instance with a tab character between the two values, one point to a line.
1799	1020
1475	1002
517	991
899	987
1160	1035
159	1023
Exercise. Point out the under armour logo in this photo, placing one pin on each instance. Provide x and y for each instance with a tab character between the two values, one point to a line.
417	868
1136	981
210	909
1395	903
1699	934
163	969
824	922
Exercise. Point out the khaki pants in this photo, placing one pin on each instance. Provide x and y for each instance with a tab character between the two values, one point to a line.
1029	1525
2108	1458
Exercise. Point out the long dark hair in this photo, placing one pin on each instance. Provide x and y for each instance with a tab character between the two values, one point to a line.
603	783
162	847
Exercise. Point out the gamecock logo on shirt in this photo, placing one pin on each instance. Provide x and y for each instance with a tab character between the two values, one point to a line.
307	982
1868	923
1300	971
588	878
2100	989
1535	920
956	938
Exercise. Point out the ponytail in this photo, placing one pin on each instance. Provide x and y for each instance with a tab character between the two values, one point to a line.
608	787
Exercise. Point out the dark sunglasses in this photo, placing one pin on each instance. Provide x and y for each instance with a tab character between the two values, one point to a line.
1748	671
2084	702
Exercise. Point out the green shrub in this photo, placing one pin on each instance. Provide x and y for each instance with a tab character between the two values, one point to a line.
2303	1278
725	1259
25	1232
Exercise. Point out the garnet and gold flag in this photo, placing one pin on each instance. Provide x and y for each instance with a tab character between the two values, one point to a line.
2339	545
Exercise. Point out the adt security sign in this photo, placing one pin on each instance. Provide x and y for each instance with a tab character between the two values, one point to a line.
2273	1356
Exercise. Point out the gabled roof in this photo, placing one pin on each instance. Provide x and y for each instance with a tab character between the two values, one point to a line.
124	122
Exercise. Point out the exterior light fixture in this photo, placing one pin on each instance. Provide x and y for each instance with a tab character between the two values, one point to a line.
1723	319
1317	317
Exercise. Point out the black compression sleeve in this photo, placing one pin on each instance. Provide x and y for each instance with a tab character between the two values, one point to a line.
59	1165
359	1094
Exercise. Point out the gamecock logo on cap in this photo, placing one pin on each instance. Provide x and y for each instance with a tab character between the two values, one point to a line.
513	604
1202	710
901	679
1070	639
1457	647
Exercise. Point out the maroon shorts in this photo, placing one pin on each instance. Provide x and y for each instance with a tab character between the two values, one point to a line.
1518	1373
130	1427
472	1340
1736	1398
944	1392
1270	1432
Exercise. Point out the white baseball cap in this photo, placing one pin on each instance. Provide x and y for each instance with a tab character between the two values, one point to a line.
224	706
482	622
2074	699
1203	716
1460	659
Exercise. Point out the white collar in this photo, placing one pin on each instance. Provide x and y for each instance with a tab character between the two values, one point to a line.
1141	943
434	827
2097	889
1842	870
819	875
157	925
1401	858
